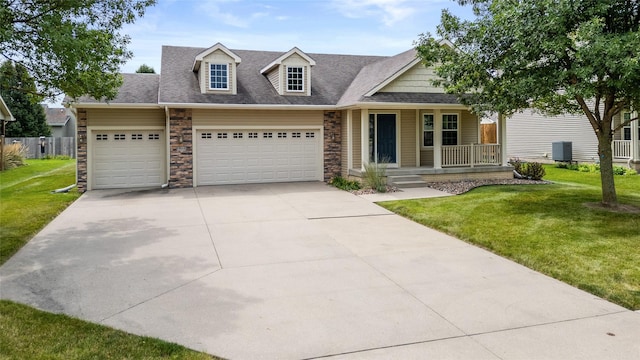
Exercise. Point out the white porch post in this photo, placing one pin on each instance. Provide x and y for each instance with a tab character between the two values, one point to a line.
437	139
635	143
502	139
418	137
364	137
349	142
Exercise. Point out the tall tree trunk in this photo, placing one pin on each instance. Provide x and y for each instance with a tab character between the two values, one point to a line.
605	152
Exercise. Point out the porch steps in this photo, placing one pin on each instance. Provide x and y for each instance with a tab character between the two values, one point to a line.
406	181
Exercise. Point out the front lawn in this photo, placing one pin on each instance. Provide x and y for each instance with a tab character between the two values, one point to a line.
26	201
548	228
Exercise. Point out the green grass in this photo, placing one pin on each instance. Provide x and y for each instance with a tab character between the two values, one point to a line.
26	206
548	228
27	333
26	201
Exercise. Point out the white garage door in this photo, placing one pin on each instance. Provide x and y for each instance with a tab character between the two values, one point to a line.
125	159
257	156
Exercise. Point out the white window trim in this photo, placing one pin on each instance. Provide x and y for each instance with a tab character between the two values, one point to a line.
423	130
287	78
458	123
227	84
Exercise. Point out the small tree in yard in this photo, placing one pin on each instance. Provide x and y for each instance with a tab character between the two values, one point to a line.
556	56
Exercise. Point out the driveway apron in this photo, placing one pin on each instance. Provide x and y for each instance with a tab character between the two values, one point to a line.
302	270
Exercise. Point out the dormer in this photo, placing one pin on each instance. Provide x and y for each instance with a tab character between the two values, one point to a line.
217	68
290	74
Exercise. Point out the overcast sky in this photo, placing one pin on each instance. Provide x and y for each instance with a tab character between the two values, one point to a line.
362	27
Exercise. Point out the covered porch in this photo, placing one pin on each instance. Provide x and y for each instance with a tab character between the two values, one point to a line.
436	142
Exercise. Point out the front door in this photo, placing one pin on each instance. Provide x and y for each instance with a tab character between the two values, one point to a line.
383	139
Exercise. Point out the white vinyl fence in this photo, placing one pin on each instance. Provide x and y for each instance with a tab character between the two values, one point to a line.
53	146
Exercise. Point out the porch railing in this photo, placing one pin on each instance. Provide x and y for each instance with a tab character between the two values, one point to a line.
470	155
621	149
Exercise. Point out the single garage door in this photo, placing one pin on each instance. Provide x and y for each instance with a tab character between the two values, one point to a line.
127	159
257	156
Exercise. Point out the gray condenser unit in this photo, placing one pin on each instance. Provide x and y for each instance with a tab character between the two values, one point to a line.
561	151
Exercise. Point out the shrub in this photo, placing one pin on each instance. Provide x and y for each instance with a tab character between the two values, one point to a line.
13	155
374	176
345	184
517	165
595	168
533	170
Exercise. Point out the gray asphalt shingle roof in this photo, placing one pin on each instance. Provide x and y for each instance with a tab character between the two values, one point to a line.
329	78
56	116
335	80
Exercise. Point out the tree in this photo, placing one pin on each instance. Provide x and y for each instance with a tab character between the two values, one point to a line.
69	46
17	89
555	56
145	69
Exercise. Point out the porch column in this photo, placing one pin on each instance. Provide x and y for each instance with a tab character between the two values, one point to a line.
418	137
364	137
437	139
502	139
349	142
635	143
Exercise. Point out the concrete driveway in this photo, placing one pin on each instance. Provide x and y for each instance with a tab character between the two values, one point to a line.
302	270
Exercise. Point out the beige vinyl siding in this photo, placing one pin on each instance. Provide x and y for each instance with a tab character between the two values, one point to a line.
357	141
408	138
257	118
529	136
426	157
469	125
125	117
416	79
274	79
344	150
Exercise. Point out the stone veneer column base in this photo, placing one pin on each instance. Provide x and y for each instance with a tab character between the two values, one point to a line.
181	148
332	144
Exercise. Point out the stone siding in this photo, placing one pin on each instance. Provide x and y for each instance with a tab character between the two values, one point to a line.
332	144
81	153
180	148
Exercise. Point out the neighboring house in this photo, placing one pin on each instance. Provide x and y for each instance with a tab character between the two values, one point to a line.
61	121
219	116
531	136
5	116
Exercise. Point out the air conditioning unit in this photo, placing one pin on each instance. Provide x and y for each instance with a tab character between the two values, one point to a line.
561	151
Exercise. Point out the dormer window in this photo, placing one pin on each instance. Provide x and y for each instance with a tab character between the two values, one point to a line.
295	78
218	77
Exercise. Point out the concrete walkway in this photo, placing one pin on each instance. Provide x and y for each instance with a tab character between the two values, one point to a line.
295	271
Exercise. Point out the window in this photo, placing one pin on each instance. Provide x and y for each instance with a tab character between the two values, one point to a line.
136	136
310	135
206	135
222	135
626	131
427	130
282	135
295	76
295	135
218	77
450	129
154	136
237	135
119	137
267	135
253	135
102	137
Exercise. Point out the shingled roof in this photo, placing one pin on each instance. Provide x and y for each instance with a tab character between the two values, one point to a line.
336	80
56	116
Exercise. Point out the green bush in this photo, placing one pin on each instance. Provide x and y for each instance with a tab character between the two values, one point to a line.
595	168
374	176
345	184
13	155
533	171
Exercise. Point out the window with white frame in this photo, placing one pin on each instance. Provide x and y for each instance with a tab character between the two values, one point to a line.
218	77
295	78
427	130
450	129
626	131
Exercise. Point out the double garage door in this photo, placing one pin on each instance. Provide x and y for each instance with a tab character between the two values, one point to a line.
127	159
257	156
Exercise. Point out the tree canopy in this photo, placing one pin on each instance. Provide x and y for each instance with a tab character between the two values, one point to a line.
145	69
30	118
556	56
69	46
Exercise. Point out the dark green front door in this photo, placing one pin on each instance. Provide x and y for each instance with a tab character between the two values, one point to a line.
382	138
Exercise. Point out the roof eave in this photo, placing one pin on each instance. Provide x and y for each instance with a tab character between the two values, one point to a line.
115	105
247	106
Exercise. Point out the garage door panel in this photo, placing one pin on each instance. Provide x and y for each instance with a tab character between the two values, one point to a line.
256	156
123	159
